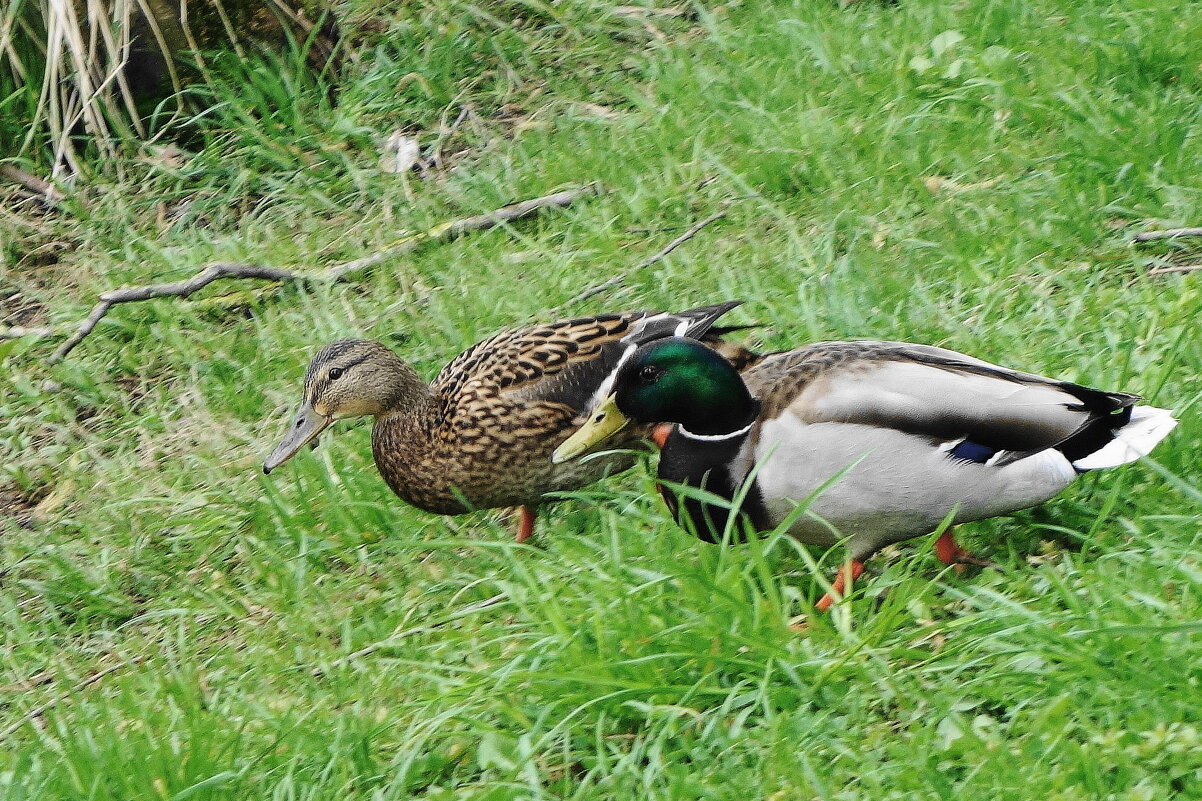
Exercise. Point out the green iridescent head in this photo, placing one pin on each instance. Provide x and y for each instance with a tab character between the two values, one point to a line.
682	381
668	381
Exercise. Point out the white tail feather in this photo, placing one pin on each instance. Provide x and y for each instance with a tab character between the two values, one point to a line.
1148	426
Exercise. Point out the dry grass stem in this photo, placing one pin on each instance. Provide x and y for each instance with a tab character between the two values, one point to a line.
644	264
1168	233
1177	268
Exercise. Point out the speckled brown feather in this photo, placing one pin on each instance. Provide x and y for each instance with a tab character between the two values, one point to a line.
484	436
529	362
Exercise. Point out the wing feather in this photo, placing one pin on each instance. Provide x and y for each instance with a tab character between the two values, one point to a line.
930	392
563	362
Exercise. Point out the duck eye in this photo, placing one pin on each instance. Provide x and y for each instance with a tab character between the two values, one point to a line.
649	374
336	373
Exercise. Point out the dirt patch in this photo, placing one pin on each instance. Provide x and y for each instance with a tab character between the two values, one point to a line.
19	309
16	505
136	389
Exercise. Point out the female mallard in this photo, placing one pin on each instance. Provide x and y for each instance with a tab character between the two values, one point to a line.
888	437
481	435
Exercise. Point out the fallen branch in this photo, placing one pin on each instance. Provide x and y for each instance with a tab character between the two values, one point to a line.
41	709
1168	233
338	272
642	265
181	289
457	228
1177	268
41	189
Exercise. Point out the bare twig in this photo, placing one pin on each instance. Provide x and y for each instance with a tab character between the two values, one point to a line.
1168	233
457	228
434	152
1176	268
642	265
179	289
41	189
41	709
338	272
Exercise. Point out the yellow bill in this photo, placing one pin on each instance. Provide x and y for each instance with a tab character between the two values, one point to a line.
605	422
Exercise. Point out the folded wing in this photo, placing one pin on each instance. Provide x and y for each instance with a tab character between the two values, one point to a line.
943	395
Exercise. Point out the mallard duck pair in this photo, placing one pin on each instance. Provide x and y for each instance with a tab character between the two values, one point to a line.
908	433
481	434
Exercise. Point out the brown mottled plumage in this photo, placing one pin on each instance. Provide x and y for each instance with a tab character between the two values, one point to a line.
482	433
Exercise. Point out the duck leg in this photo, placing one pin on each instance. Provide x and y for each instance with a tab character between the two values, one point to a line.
526	515
850	571
948	551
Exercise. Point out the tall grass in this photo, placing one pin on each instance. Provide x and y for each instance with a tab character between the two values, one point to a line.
70	59
173	624
88	83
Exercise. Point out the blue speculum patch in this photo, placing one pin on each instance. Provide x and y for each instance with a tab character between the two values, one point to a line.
972	452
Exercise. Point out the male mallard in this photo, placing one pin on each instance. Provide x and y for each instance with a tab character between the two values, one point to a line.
915	430
481	435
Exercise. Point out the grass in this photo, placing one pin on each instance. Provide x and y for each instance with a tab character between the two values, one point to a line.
176	625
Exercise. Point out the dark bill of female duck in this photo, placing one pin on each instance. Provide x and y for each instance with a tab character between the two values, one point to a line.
305	427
